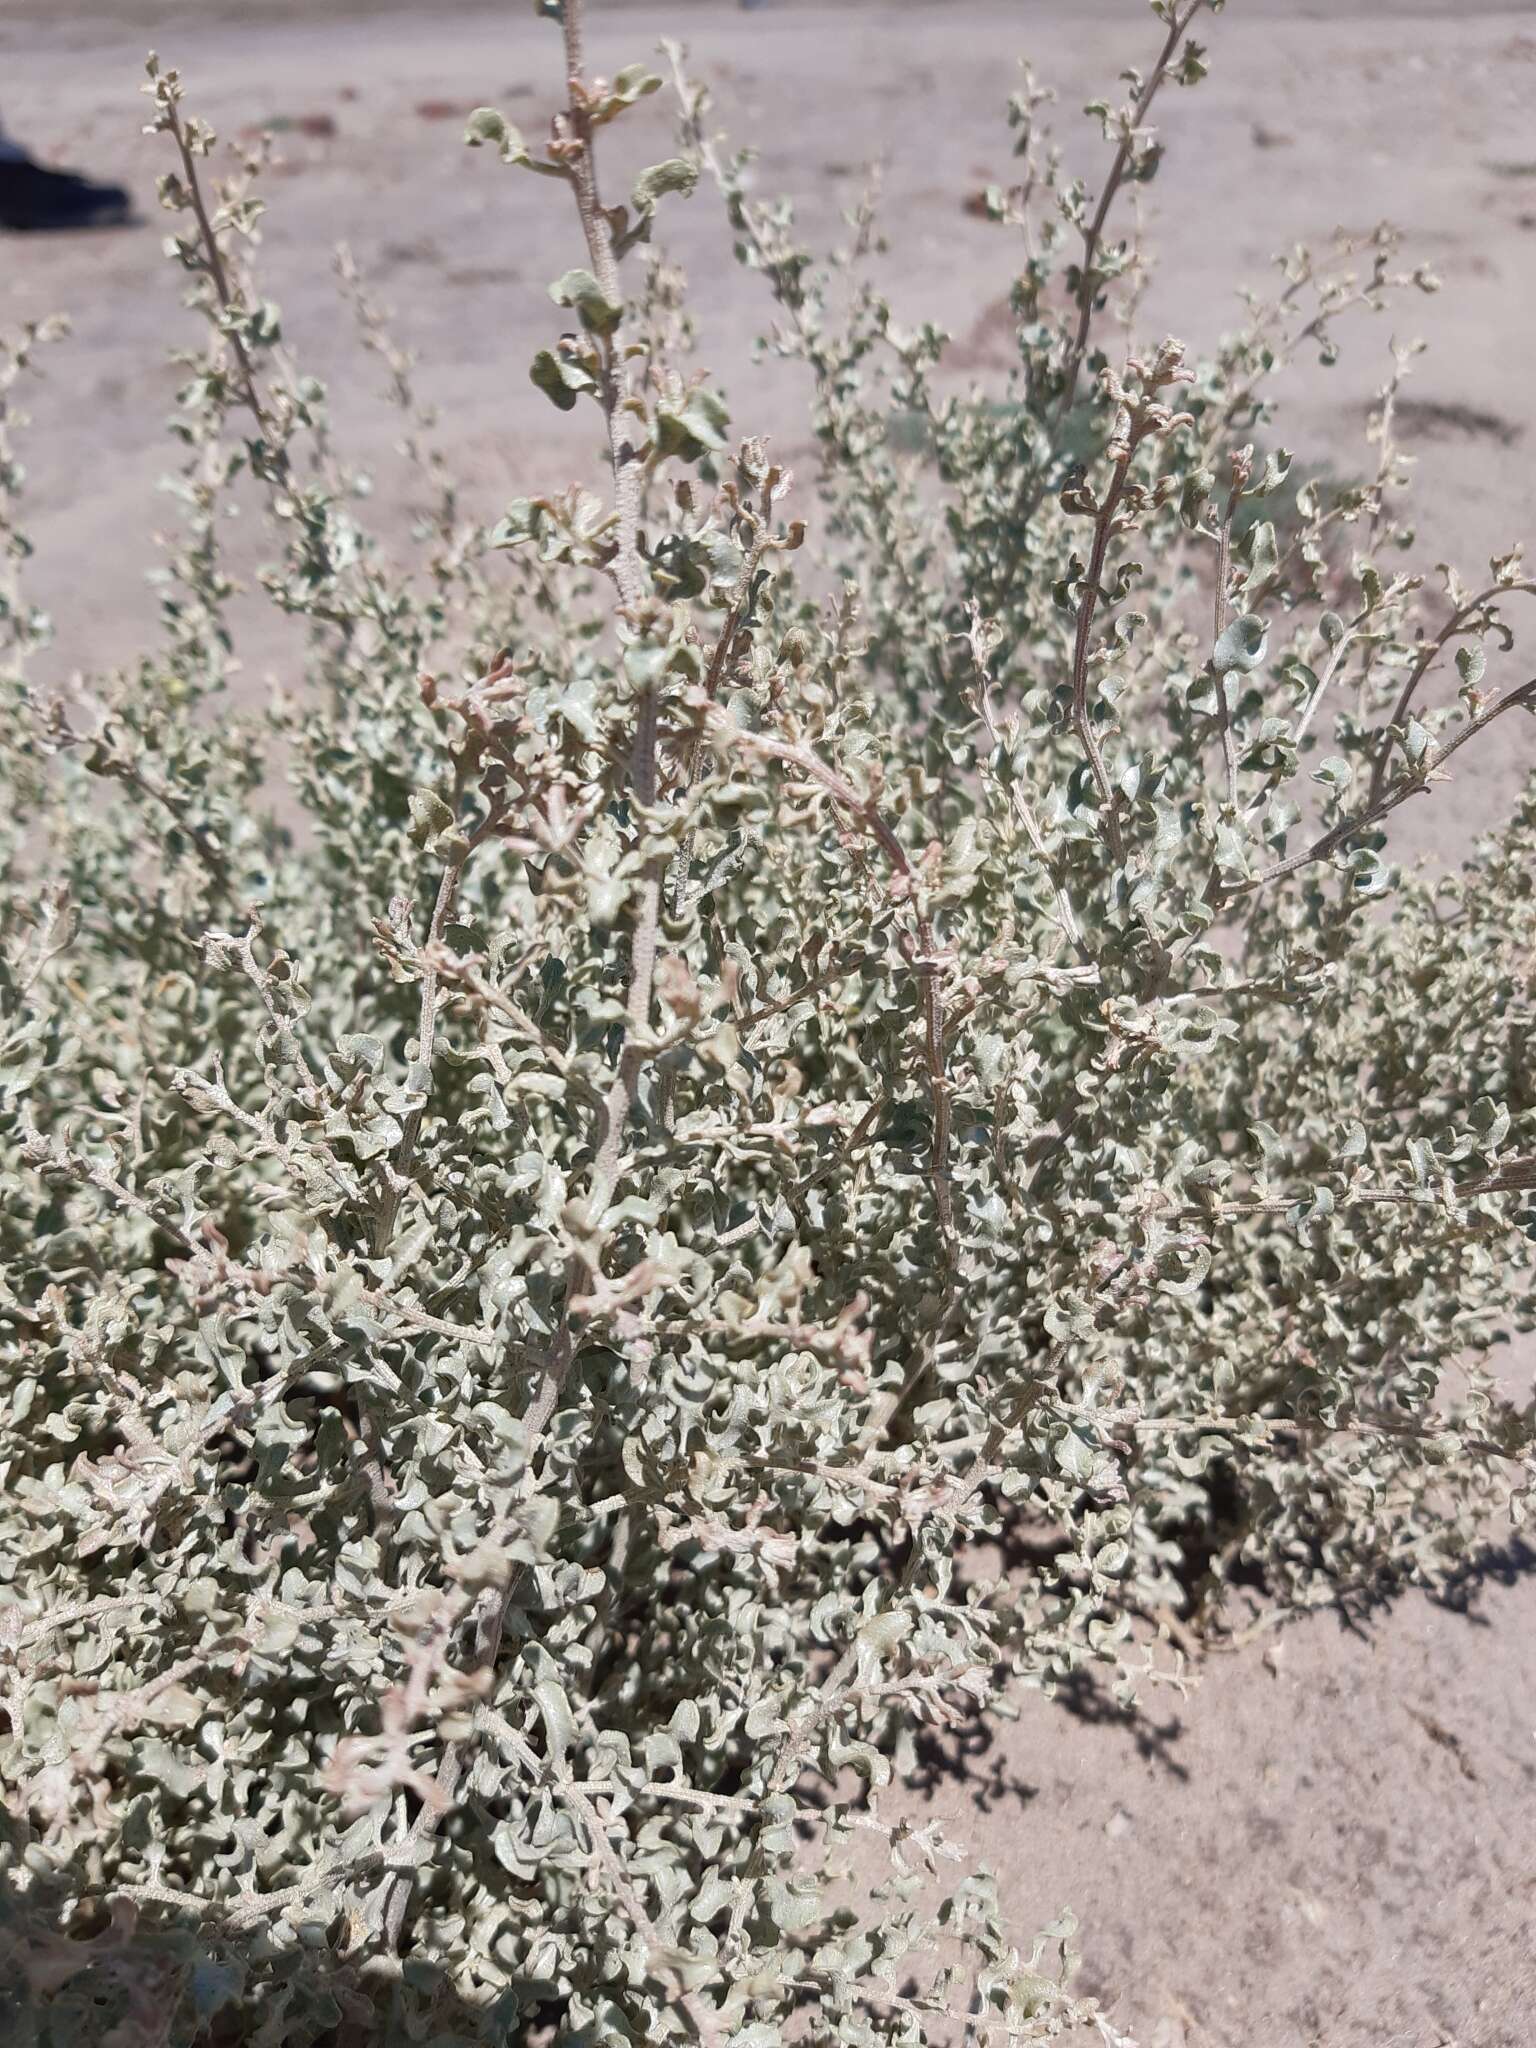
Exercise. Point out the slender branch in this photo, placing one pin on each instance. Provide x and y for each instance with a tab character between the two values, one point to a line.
1373	811
218	275
725	646
927	965
575	1793
381	1485
629	575
1082	721
1515	1177
426	1027
630	578
247	1907
1427	658
807	989
490	1614
1093	235
627	459
120	768
52	1155
1223	572
1066	916
1314	702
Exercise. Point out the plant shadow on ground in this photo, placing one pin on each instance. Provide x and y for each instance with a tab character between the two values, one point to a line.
1357	1609
967	1755
1503	1565
970	1756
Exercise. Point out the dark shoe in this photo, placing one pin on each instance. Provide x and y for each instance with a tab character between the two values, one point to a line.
33	198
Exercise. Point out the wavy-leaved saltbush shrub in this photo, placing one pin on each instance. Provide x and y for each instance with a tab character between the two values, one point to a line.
751	1061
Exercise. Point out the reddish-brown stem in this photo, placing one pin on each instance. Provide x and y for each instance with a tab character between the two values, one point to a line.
1338	835
219	277
1081	720
927	965
1428	656
1514	1177
1093	234
1224	708
629	575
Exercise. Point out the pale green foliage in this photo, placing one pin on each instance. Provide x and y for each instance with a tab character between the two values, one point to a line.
524	1290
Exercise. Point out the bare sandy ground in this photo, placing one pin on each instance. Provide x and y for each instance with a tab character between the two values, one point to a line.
1326	1847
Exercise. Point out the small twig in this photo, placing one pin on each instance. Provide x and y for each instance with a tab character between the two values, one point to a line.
1093	235
1427	658
213	257
807	989
554	1769
1374	809
1516	1176
1082	721
1314	701
1066	916
426	1027
928	963
629	575
52	1155
1223	571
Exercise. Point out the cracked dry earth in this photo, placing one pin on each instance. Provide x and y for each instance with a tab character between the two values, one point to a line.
1329	1842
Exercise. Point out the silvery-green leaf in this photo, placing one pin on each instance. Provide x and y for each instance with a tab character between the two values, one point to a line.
1241	646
